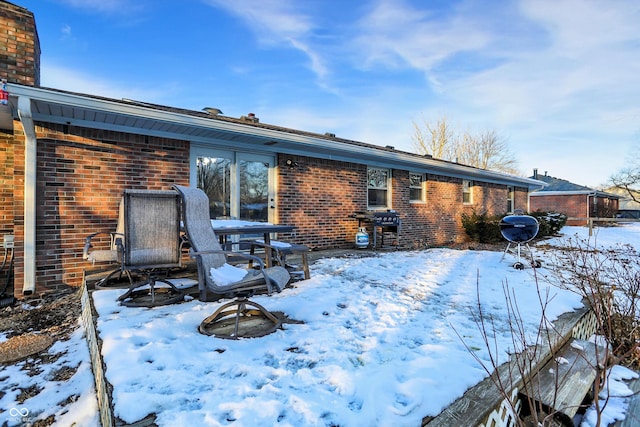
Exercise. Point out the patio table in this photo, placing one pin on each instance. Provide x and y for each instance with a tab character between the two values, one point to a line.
226	228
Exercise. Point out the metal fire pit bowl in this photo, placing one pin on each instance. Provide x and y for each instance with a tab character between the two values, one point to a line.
519	230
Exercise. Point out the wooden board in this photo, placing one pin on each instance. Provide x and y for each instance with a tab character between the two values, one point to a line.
563	382
632	417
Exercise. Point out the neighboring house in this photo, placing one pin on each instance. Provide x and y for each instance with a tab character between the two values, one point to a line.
68	157
628	208
576	201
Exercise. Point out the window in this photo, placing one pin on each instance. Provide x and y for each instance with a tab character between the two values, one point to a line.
467	194
378	188
214	178
416	187
510	199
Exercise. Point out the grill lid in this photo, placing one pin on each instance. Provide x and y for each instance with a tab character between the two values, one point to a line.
519	228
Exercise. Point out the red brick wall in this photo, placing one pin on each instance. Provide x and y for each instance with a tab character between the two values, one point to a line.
19	46
6	184
575	205
521	199
570	205
319	197
436	221
81	176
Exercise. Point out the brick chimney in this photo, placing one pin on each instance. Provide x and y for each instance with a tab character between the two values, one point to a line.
19	45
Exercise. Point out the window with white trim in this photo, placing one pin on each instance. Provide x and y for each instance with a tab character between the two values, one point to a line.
417	191
378	188
510	199
467	192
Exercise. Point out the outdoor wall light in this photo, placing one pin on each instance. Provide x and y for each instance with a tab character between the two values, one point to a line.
291	163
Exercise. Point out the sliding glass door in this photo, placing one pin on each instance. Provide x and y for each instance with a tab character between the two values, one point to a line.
239	185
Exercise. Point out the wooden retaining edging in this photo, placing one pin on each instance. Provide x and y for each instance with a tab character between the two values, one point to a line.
486	405
632	418
102	391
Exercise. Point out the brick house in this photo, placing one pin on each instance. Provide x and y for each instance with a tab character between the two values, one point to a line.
68	157
575	201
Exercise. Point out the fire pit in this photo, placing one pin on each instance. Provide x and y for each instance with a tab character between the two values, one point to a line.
519	230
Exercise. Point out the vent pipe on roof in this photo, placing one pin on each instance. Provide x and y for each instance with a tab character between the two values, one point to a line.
212	111
251	117
535	173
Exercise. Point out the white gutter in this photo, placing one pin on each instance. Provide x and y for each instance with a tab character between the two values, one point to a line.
306	144
30	165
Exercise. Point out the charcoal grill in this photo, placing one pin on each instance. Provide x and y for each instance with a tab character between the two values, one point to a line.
519	230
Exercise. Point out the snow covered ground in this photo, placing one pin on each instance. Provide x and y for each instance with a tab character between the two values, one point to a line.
379	346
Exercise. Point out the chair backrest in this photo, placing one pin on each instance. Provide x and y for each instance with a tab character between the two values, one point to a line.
197	224
152	229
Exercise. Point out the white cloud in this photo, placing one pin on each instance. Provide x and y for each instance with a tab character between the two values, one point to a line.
276	22
396	34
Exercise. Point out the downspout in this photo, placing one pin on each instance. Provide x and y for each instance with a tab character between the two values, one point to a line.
30	165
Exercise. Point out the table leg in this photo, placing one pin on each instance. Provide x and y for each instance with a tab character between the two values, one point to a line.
267	251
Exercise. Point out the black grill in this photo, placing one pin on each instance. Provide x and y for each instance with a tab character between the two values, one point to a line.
386	224
386	219
519	228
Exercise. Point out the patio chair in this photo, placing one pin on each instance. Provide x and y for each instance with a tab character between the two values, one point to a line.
219	278
112	255
152	246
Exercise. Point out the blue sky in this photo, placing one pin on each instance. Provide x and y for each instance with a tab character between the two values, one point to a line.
558	80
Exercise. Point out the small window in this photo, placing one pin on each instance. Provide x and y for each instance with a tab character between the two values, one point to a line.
467	194
378	187
416	187
510	199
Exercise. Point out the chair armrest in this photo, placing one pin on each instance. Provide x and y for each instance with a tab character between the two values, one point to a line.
276	250
228	254
88	245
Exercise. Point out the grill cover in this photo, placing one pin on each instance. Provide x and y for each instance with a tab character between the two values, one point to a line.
519	228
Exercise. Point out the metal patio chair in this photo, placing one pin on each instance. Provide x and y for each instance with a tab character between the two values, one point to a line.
152	246
212	260
112	255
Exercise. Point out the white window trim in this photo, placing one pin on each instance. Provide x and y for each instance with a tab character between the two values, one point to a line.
423	188
511	196
467	187
388	189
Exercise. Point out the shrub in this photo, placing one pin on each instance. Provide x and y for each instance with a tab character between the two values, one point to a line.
482	227
485	228
550	222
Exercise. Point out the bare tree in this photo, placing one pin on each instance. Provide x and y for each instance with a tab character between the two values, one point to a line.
628	179
486	150
437	139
